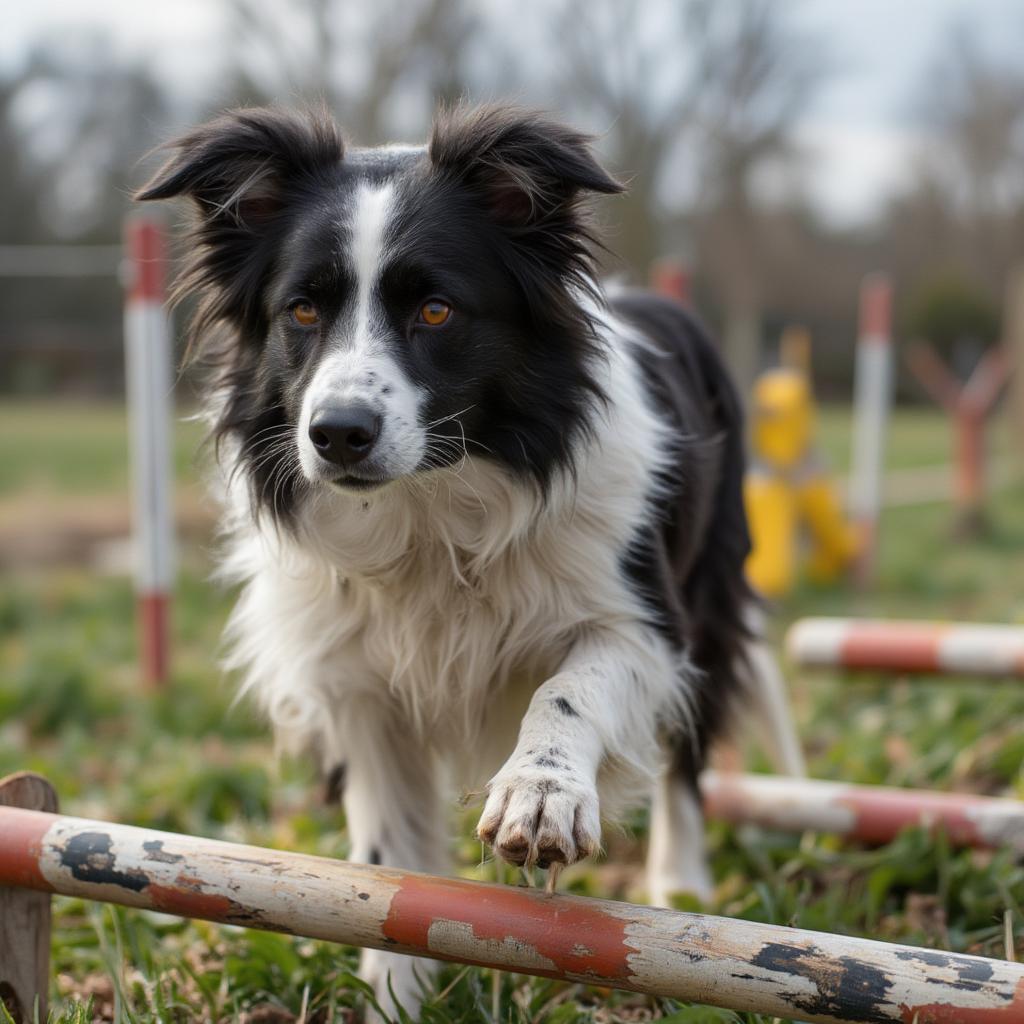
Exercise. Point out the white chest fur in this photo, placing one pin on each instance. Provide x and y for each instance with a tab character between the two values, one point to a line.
445	588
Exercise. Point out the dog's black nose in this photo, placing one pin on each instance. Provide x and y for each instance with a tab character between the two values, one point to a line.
344	435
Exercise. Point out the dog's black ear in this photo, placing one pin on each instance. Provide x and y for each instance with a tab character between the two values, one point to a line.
239	167
241	171
525	167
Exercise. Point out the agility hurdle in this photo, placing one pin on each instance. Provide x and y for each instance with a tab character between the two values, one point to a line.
871	814
738	965
942	648
872	398
149	383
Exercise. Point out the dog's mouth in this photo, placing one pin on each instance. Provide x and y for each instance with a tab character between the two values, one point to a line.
351	482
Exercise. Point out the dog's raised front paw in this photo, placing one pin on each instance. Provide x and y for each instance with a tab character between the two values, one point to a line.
540	817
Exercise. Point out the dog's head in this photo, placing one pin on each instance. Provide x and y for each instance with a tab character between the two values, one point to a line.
383	312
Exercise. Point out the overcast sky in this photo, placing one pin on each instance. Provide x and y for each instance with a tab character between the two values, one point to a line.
860	124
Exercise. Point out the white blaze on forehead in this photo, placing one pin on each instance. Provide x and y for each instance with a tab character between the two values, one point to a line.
370	217
357	367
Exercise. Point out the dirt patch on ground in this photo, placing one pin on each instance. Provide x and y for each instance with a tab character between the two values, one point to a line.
39	529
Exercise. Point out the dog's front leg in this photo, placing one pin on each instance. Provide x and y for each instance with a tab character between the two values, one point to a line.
542	806
395	818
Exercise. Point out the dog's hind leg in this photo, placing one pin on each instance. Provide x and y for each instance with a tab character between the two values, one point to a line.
395	817
769	708
676	857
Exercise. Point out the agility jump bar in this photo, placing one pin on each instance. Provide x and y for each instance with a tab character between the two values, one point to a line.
738	965
900	645
870	814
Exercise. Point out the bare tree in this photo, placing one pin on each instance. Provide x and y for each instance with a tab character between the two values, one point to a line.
78	99
976	111
370	63
18	186
760	77
977	107
631	70
697	99
961	216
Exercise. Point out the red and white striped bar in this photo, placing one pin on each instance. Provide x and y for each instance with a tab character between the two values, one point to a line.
902	645
740	965
149	386
872	396
871	814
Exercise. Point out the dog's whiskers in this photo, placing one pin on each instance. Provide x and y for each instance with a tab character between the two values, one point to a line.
450	416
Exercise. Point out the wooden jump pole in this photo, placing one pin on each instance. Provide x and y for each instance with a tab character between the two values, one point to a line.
740	965
871	814
901	645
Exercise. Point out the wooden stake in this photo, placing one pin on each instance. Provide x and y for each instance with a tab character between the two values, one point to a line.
25	916
969	406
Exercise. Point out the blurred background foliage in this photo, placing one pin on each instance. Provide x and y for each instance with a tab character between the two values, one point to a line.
697	105
953	315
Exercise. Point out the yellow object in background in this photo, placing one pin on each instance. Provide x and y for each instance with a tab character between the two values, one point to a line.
835	542
772	515
783	419
788	495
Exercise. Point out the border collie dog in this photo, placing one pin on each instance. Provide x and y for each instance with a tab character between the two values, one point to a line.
487	518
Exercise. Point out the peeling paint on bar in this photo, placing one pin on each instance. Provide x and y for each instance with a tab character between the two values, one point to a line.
422	916
740	965
872	814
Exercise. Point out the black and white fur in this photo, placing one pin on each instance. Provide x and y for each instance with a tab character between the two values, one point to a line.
534	581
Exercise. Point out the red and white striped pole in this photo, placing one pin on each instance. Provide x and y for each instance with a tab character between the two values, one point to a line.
870	814
900	645
671	277
149	385
871	401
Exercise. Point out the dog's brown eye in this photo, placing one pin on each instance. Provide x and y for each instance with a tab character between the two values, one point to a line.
435	312
305	313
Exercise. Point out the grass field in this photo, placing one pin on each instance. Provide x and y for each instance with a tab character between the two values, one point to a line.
75	448
187	760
